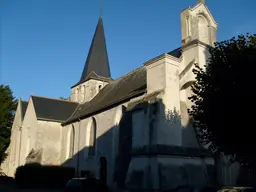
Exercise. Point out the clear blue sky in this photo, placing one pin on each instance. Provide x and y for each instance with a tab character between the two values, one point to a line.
44	43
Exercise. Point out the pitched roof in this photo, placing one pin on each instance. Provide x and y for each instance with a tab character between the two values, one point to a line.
97	59
116	92
53	109
122	89
24	105
176	52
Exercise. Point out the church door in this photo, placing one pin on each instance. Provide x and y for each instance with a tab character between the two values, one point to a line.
103	169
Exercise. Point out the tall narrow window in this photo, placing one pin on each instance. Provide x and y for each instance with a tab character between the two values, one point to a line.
92	138
187	26
83	93
72	141
138	133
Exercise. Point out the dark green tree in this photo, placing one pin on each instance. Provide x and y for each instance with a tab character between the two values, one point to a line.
8	105
224	99
64	98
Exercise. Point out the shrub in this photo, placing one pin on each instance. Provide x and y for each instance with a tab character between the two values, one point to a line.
37	176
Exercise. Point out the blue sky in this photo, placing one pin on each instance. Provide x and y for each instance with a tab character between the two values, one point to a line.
44	43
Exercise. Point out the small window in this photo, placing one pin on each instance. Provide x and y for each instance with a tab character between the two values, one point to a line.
100	86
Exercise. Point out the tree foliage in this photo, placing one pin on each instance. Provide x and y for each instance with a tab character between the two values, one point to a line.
8	105
64	98
224	99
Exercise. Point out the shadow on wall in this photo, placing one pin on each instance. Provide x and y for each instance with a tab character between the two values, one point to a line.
119	164
115	159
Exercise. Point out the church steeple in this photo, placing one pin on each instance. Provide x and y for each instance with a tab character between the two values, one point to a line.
201	1
97	63
96	72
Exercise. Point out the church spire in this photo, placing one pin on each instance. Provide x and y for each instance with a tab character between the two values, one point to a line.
97	59
201	1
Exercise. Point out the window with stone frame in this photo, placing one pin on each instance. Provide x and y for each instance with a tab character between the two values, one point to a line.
72	142
138	132
92	138
203	27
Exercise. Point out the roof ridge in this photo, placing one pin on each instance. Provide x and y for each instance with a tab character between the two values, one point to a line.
53	98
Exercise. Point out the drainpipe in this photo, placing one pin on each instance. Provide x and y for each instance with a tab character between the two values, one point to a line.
77	163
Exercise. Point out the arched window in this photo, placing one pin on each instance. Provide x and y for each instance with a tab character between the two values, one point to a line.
83	93
100	87
77	95
92	139
72	141
203	28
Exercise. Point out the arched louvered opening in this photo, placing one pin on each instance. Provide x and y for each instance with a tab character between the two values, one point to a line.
203	27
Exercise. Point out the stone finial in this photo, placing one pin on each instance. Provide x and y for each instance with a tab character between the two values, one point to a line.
201	1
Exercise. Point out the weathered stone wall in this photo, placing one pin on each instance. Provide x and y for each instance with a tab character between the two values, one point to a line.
86	91
107	131
10	164
29	129
49	137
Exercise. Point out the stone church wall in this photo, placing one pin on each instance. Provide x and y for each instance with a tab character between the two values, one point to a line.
49	139
107	127
11	162
29	133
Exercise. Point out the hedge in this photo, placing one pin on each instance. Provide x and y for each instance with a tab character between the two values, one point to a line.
37	176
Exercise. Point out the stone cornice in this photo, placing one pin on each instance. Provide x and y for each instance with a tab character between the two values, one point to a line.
194	43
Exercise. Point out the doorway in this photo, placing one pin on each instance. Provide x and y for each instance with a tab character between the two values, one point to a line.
103	170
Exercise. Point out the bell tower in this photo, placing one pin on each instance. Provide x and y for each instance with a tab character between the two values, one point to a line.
96	72
197	23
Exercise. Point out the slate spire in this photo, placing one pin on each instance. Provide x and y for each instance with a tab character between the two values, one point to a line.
201	1
97	59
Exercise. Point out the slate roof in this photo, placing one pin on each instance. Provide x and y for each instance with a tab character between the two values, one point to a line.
117	91
176	52
24	105
122	89
97	59
53	109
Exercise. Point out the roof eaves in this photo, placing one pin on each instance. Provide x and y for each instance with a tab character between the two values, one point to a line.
57	99
52	120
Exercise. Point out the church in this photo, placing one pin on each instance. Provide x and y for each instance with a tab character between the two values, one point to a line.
133	131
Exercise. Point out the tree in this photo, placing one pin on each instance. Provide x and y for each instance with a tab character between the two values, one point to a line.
64	98
224	99
8	105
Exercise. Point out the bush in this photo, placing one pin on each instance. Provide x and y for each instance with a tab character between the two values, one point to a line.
37	176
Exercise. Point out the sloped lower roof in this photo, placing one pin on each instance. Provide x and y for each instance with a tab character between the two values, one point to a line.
118	91
53	109
24	105
176	52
